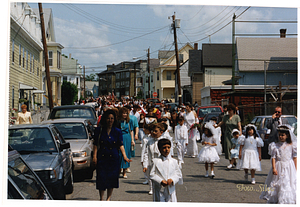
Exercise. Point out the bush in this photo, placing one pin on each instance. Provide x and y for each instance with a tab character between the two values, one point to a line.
69	93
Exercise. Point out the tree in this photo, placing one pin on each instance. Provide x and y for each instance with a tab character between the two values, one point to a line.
69	93
91	77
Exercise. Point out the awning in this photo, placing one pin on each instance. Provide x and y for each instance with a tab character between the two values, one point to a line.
38	91
26	87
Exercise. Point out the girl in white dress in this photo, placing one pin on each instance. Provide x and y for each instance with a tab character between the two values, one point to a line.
190	118
208	154
250	152
280	185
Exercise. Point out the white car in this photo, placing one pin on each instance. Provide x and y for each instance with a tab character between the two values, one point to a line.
78	133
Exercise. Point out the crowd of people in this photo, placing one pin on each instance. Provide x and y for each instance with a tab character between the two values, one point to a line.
122	123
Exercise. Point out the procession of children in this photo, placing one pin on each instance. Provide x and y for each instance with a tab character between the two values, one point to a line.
163	156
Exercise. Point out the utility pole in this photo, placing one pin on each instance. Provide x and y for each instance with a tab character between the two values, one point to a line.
49	87
84	83
134	85
233	53
148	65
177	62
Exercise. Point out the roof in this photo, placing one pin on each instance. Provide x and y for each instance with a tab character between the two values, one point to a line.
165	54
90	84
66	120
195	61
28	126
217	55
253	52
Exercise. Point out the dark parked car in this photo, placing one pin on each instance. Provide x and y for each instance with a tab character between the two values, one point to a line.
22	182
261	124
74	111
49	155
202	110
79	135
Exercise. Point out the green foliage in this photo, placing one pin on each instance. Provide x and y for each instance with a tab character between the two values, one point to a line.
69	93
91	77
140	95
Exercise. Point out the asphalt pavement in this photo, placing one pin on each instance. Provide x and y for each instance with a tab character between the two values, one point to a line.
228	186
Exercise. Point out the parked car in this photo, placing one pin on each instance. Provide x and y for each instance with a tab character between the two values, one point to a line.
78	133
172	106
22	181
155	101
202	110
74	111
261	124
45	150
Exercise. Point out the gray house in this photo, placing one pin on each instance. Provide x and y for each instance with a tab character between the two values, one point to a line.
276	56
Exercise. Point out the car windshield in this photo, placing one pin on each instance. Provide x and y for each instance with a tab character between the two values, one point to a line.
25	180
154	100
73	113
203	111
31	140
72	130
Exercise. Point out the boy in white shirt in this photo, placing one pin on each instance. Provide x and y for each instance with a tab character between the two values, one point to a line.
151	149
165	173
181	140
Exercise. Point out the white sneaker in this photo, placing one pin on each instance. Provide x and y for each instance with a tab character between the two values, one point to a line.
206	175
246	177
253	181
150	192
212	174
128	170
145	183
229	166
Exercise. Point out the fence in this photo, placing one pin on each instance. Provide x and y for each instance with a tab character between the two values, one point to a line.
289	107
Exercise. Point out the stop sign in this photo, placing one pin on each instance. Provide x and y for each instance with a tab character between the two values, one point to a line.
154	94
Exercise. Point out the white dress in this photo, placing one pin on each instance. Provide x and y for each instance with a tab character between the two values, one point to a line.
281	188
208	153
192	148
250	156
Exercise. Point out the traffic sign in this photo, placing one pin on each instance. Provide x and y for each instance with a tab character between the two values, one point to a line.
154	94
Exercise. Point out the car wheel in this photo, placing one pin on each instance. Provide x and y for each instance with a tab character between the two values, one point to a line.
60	193
90	171
70	184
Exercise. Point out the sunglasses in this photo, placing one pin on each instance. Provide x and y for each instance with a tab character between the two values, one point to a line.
278	112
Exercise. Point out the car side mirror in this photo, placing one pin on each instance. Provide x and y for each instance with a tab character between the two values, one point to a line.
65	146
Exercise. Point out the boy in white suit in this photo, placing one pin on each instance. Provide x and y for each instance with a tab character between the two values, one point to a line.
165	173
181	140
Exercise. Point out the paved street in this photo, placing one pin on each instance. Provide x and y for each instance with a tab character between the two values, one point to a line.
227	187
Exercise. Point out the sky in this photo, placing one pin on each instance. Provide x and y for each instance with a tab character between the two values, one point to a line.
98	34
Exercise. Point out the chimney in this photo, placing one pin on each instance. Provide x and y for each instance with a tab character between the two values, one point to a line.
70	55
195	46
282	33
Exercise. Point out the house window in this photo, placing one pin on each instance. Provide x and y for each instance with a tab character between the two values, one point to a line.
157	75
127	74
127	83
20	55
23	57
126	93
37	71
26	60
151	77
118	85
13	98
180	58
58	59
169	75
50	57
77	80
118	76
32	63
157	93
13	51
65	78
